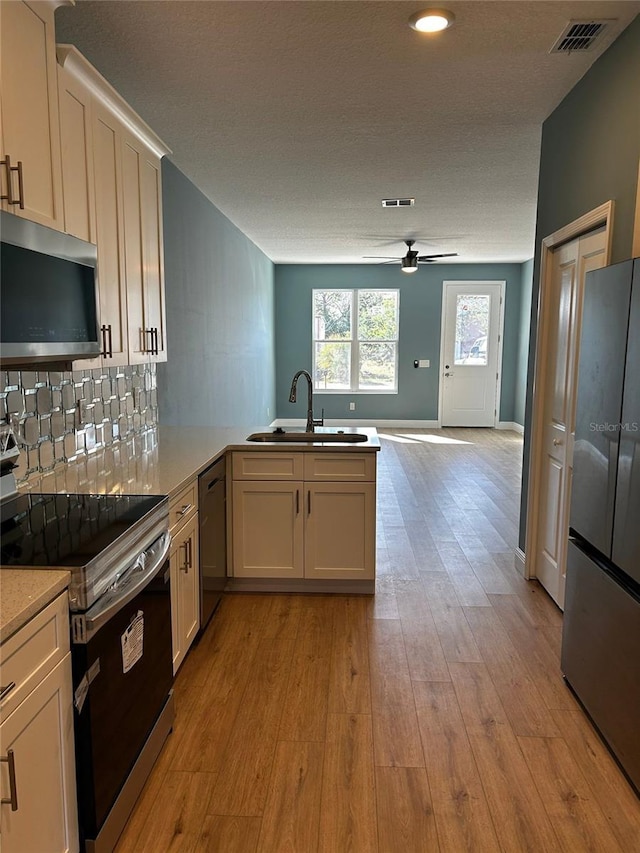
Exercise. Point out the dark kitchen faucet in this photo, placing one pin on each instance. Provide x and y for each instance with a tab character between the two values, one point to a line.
311	422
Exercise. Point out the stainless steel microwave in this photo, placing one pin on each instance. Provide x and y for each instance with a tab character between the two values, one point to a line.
48	295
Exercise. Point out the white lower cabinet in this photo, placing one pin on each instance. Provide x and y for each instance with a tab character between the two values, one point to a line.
268	529
322	526
185	579
37	769
340	531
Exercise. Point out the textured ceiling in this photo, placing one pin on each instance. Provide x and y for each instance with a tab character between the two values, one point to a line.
296	118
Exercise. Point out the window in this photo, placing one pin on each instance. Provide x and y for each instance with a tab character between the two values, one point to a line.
355	340
472	328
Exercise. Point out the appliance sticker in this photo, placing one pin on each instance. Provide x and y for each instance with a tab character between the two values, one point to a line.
132	642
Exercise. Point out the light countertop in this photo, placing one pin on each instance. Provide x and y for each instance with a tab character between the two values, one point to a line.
161	461
24	592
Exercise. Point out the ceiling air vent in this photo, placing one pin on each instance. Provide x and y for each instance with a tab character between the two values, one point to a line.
579	36
398	202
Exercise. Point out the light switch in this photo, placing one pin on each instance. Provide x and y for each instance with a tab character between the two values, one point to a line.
424	362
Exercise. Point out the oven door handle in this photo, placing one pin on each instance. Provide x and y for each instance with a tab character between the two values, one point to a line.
86	625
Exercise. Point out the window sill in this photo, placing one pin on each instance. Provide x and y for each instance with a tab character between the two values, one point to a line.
318	391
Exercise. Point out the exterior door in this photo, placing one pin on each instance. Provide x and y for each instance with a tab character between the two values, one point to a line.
470	356
571	262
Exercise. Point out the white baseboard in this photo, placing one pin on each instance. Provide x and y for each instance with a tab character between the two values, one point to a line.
373	422
510	425
383	424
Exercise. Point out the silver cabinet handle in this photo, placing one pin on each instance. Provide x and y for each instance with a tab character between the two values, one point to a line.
190	551
185	509
557	442
13	788
185	567
4	691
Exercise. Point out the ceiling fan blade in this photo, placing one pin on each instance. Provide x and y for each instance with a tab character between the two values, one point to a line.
380	257
433	257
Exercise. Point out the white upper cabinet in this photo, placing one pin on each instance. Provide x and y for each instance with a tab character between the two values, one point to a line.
143	251
77	147
120	177
31	170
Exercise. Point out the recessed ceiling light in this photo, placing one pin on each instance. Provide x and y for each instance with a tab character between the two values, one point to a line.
431	20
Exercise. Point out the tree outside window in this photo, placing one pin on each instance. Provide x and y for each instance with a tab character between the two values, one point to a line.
355	340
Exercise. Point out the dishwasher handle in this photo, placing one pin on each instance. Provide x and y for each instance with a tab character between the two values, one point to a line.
144	568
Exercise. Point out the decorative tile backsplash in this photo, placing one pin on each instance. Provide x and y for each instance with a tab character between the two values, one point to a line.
60	416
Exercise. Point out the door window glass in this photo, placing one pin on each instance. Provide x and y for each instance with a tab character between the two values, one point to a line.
472	329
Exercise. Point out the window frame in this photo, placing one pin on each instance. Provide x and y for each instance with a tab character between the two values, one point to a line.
354	341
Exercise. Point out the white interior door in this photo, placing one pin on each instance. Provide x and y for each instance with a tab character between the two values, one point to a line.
470	352
571	262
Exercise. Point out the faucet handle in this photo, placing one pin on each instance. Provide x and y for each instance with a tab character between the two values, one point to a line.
319	421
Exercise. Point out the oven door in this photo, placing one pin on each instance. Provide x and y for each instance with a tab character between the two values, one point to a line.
122	676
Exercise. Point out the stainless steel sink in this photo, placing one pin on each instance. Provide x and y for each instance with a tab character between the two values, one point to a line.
326	435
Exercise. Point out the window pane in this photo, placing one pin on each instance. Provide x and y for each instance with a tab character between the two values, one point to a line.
377	368
332	366
472	329
332	315
378	315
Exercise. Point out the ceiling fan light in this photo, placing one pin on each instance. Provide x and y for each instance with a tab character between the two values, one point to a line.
431	20
409	265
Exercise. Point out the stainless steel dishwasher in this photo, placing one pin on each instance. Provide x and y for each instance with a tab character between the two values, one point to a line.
213	538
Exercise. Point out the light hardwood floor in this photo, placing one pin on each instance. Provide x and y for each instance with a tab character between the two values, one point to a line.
431	717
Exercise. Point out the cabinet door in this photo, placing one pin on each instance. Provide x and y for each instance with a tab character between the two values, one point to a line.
110	234
185	590
340	530
132	166
267	529
189	584
143	251
30	127
40	733
76	142
152	253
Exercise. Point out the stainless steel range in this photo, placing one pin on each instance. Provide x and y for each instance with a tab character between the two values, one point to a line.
117	550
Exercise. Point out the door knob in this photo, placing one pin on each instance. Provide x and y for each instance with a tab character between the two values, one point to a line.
556	442
448	374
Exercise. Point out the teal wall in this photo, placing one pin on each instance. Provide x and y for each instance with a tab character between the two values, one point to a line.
589	154
219	292
522	363
420	317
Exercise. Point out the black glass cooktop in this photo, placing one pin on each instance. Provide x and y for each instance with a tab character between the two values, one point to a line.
66	530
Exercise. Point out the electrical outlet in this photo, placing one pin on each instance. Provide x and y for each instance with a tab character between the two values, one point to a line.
352	407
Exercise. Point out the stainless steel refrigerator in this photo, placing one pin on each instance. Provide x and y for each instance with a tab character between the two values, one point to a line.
601	633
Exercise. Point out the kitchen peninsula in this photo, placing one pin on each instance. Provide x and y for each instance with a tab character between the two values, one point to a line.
293	507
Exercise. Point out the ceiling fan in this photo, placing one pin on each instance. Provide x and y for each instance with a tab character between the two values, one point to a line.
411	260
